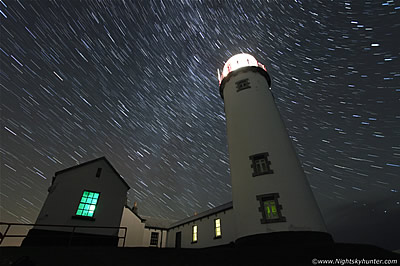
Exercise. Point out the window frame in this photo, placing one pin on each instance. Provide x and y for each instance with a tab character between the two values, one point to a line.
274	198
242	84
87	217
195	234
216	236
257	157
157	234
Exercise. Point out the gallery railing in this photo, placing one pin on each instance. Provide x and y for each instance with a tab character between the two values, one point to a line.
73	232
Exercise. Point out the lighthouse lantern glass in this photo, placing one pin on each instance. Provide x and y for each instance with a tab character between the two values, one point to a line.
238	61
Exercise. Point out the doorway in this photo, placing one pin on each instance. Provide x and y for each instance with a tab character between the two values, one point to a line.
178	239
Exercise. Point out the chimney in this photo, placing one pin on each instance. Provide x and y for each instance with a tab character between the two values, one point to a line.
134	208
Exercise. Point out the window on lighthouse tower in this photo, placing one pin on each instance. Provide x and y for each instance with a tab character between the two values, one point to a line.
261	164
242	84
270	208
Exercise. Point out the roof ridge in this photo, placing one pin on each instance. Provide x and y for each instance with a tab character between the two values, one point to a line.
92	161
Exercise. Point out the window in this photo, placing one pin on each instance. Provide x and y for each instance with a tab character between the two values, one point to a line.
88	203
270	208
261	164
194	234
242	85
217	223
98	173
154	239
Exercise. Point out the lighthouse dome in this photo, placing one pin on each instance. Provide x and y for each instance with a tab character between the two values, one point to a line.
238	61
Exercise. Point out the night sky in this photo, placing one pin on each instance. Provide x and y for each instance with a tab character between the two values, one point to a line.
136	81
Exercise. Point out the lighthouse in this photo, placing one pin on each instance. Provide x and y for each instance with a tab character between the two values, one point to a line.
271	194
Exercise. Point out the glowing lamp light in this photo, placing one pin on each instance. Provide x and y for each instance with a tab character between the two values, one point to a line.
236	62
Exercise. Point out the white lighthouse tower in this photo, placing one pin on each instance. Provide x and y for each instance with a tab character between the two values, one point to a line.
270	190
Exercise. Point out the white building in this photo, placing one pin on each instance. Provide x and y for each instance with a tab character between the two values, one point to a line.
91	194
214	227
144	231
272	200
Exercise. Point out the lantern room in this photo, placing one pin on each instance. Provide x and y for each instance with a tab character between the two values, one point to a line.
236	62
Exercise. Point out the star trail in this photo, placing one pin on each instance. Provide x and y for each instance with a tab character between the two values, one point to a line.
136	81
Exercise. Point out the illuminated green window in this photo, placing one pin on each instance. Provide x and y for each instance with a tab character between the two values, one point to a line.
88	203
271	210
217	223
194	234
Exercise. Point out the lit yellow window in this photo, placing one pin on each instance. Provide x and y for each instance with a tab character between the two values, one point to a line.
194	233
217	227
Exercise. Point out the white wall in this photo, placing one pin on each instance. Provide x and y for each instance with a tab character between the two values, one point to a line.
254	126
138	235
205	231
134	237
66	192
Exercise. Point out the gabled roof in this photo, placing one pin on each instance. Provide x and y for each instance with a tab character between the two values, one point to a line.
92	161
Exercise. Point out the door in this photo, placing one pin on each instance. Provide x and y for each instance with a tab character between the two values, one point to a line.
178	239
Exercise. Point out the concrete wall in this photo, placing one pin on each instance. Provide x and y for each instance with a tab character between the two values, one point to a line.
66	192
205	231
